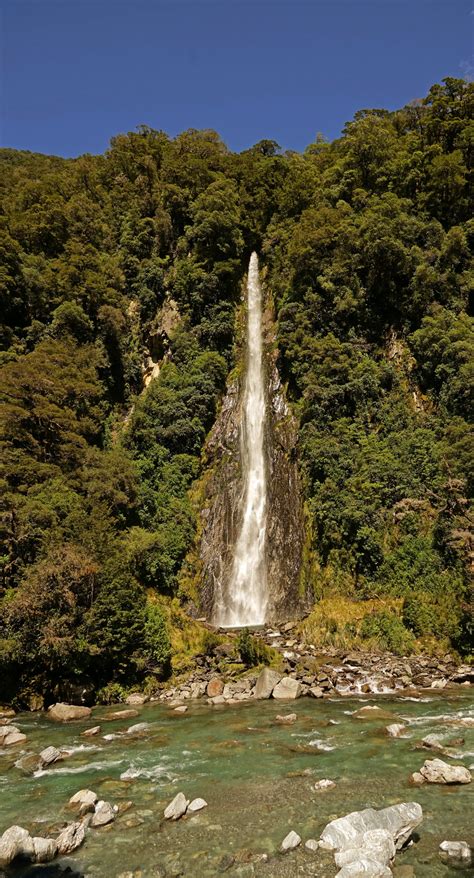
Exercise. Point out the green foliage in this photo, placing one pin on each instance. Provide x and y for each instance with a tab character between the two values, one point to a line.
252	650
106	260
157	641
388	632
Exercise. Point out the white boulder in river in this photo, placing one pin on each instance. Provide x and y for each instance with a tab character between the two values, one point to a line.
291	841
103	814
437	771
365	842
197	805
177	807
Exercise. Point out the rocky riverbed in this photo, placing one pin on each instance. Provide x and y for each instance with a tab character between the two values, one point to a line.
270	771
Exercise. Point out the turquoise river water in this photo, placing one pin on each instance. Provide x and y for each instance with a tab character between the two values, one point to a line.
256	775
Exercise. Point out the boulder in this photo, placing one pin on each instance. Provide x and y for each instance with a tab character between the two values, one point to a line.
15	842
395	730
316	692
10	735
45	849
92	732
376	845
70	838
215	687
137	729
286	720
347	832
103	814
83	798
197	689
49	755
127	713
65	713
136	698
311	844
177	807
437	771
197	805
266	682
457	854
287	689
324	784
291	841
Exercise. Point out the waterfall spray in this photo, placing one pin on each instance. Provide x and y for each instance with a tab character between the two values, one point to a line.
244	600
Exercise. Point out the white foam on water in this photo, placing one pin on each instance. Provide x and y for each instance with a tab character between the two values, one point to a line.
79	769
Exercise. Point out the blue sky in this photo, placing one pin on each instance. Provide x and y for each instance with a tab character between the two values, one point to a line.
75	72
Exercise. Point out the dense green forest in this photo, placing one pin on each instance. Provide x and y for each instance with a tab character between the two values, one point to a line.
108	261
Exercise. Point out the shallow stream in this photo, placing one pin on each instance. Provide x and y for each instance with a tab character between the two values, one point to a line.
256	775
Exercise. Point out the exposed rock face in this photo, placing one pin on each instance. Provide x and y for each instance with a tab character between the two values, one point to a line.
220	514
65	713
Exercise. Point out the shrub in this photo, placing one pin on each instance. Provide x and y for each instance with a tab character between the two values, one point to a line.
157	640
252	651
388	631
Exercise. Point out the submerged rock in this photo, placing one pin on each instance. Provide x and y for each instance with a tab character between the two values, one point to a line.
287	689
291	841
437	771
286	720
311	844
266	682
126	713
177	807
65	713
457	854
324	784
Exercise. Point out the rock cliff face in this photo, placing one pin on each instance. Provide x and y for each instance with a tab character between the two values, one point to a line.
221	509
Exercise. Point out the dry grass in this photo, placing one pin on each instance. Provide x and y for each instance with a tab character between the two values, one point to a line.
335	621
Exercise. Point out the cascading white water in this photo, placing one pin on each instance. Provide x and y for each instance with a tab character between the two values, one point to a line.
245	598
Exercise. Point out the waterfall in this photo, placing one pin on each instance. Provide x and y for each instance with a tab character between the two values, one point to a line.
244	600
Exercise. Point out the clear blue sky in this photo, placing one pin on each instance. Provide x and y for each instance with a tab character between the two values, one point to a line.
75	72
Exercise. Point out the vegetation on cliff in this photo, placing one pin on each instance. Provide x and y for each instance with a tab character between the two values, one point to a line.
368	244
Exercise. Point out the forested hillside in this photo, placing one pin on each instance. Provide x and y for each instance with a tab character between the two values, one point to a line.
113	266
